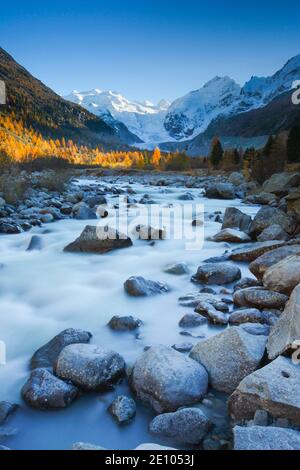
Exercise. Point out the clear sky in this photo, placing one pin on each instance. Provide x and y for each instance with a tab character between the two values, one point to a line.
148	49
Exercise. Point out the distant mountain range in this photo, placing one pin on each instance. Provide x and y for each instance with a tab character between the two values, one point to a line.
241	116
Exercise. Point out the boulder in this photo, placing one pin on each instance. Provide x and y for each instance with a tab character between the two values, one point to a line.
93	201
211	313
262	198
246	282
217	273
146	232
284	275
265	438
185	426
82	211
229	357
274	388
177	269
281	183
6	409
137	286
267	216
98	240
90	367
35	244
273	232
45	391
236	219
193	299
254	250
220	191
167	380
250	315
261	264
236	178
124	323
231	235
256	329
186	197
192	320
260	298
292	201
47	354
286	332
123	409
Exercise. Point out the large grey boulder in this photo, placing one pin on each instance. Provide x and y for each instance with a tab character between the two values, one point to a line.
217	273
47	354
254	250
274	388
262	198
249	315
231	235
220	191
286	331
82	211
89	367
98	240
273	232
260	265
265	438
236	219
185	426
283	276
268	216
138	286
167	380
123	409
45	391
229	357
260	298
236	178
281	183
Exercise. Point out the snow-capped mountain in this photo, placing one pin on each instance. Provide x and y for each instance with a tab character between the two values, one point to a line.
145	120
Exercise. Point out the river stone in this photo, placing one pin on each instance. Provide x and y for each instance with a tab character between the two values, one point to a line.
36	243
90	367
137	286
185	426
248	315
123	409
211	313
262	198
193	299
283	276
274	388
167	380
124	323
232	236
281	183
273	232
6	409
229	357
260	298
183	347
82	211
267	216
45	391
256	329
265	438
236	219
246	282
192	320
220	191
217	273
146	232
236	178
254	250
47	354
94	201
260	265
177	269
287	330
98	240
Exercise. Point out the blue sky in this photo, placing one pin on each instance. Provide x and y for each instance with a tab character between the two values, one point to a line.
148	49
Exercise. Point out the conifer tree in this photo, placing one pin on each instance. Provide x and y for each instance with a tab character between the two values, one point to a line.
293	145
216	153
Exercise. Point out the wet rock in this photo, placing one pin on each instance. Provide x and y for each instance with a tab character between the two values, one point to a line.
137	286
251	315
273	232
90	367
229	357
256	329
268	216
286	332
236	219
194	299
246	282
192	320
262	198
220	191
124	323
236	178
66	209
167	380
274	388
6	409
185	426
260	298
146	232
47	218
94	201
183	347
217	273
123	409
284	275
47	354
36	243
265	438
82	211
10	227
231	235
98	240
260	265
251	252
197	223
186	197
281	183
211	313
45	391
177	269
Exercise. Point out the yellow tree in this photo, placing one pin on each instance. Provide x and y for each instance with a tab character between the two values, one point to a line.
156	157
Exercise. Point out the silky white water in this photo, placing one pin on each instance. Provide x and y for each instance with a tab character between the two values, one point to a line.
44	292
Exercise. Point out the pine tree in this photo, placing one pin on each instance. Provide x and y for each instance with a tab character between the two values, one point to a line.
216	153
293	145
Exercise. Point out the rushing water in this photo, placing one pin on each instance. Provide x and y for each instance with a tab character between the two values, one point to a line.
44	292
